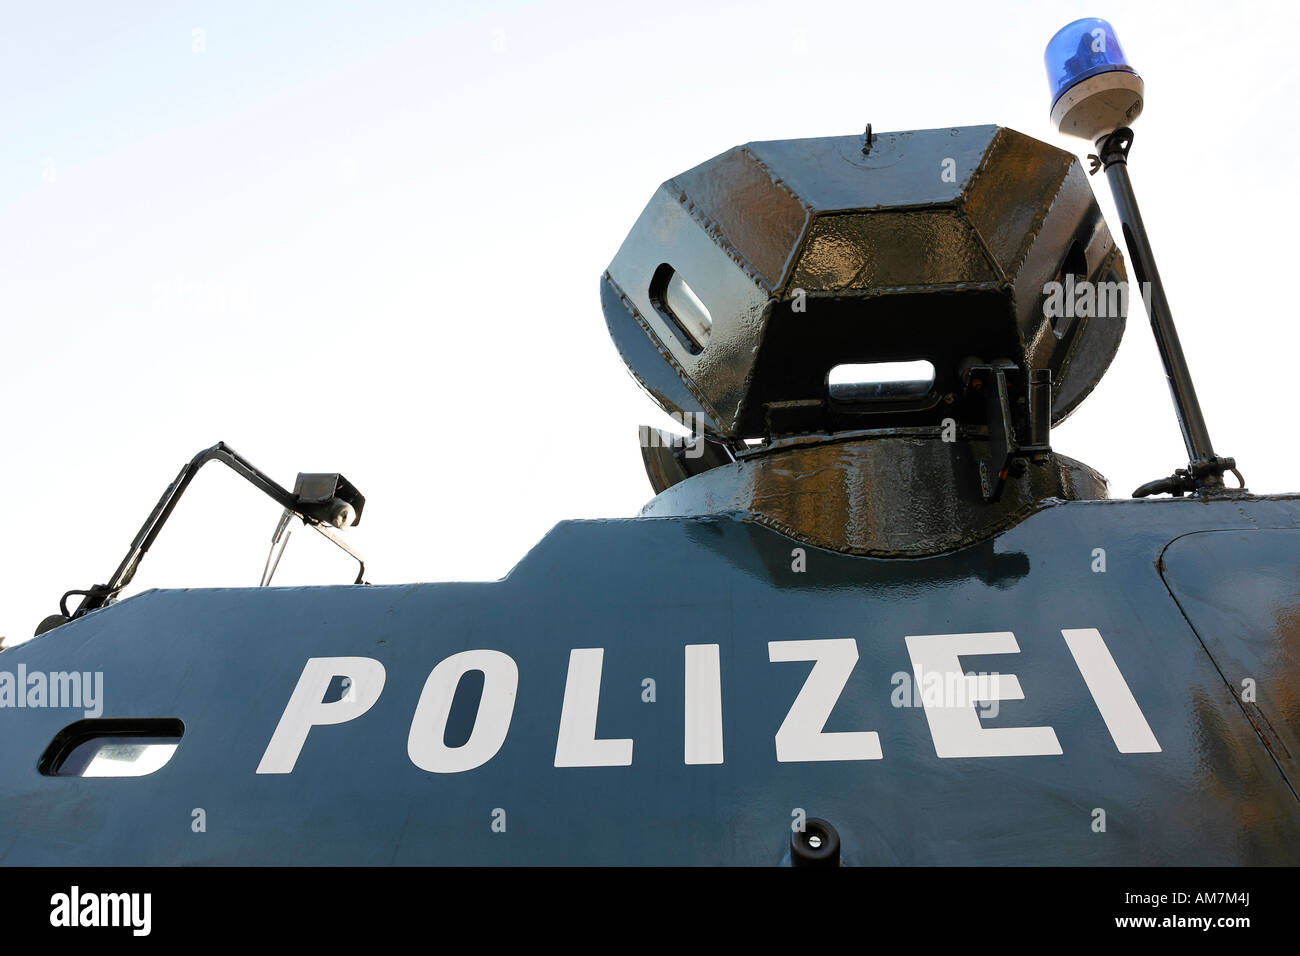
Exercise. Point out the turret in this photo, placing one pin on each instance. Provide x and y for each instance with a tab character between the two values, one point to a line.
870	336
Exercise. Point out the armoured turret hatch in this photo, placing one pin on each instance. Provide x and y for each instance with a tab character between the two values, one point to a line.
752	282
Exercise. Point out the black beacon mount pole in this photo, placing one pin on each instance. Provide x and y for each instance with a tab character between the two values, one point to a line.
1205	469
1096	95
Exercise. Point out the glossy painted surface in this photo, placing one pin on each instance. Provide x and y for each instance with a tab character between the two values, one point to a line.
931	245
226	662
898	493
1241	591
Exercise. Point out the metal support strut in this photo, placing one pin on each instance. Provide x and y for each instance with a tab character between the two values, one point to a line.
316	510
1204	472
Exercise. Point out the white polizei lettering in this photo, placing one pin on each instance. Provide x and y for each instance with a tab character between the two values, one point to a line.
1119	709
953	701
425	744
576	745
703	704
305	709
954	724
800	737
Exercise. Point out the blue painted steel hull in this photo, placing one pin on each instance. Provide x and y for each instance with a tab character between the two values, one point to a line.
225	662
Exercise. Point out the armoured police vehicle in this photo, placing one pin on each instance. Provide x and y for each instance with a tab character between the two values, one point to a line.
869	617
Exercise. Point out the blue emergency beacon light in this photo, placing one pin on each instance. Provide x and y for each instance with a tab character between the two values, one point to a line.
1095	96
1094	90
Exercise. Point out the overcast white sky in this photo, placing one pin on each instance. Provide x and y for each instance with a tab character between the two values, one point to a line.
367	237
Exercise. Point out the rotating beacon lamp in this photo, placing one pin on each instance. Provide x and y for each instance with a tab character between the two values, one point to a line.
1095	95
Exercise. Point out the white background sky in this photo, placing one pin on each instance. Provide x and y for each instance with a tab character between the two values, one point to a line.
367	238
